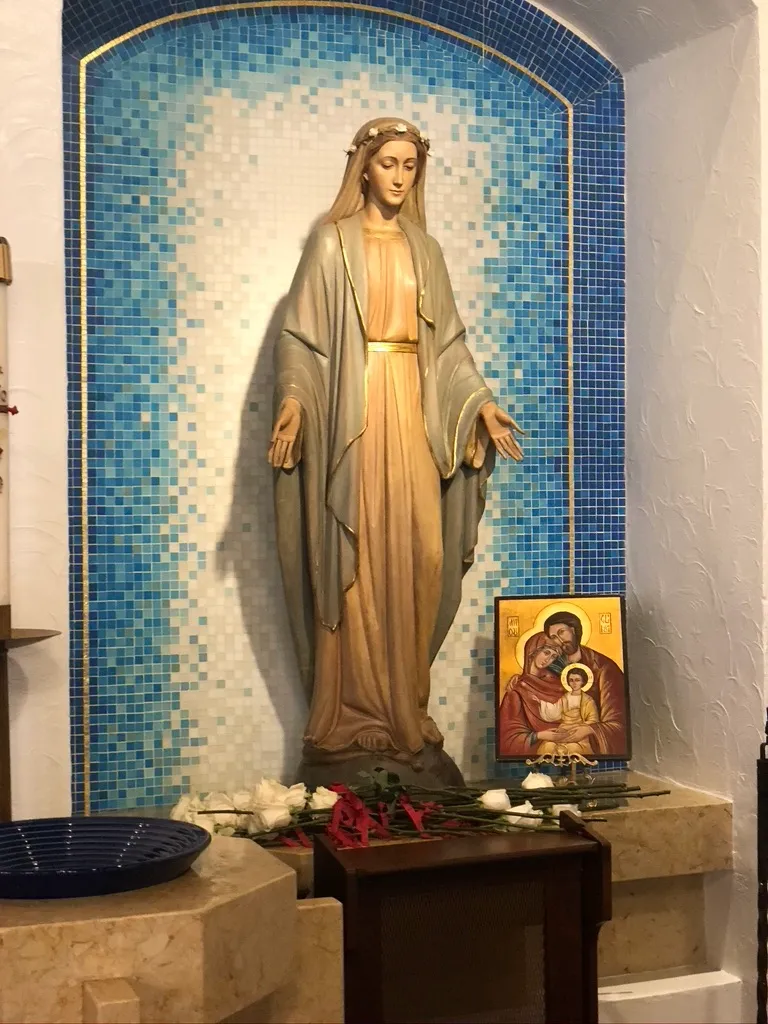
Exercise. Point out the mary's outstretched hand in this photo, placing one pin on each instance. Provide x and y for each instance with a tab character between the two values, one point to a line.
500	426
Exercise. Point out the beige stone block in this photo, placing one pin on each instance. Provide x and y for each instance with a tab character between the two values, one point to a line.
196	949
249	944
314	993
658	923
687	832
110	1002
302	862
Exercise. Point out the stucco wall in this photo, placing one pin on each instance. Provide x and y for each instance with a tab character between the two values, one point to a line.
695	440
633	33
31	217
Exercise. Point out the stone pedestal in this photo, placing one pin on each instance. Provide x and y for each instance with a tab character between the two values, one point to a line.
312	993
432	769
200	948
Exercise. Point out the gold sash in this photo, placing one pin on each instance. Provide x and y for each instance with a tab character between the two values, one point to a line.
393	346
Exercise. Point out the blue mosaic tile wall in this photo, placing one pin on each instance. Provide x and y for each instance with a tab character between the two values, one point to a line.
183	659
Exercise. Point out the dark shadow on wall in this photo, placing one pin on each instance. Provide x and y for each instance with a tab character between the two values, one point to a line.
480	723
247	549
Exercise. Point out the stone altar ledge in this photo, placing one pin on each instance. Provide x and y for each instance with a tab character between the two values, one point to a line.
688	832
200	948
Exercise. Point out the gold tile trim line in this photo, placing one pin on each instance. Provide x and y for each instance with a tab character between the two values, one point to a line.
82	133
85	595
252	5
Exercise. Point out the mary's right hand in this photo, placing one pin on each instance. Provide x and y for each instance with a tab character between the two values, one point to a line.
284	448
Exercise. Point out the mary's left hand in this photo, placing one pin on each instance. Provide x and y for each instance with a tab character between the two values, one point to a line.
500	426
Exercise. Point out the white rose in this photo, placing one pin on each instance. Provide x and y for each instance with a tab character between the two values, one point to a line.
276	816
556	808
242	802
537	780
266	793
296	797
186	809
322	799
255	825
220	802
270	793
527	808
495	800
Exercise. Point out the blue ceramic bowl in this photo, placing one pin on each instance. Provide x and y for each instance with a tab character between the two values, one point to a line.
59	858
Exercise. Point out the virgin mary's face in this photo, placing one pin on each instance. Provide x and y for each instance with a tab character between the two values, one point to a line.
545	655
391	174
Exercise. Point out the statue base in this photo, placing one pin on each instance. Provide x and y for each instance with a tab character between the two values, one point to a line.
431	768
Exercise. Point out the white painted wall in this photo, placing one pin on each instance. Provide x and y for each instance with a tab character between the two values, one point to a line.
711	996
32	218
695	440
631	32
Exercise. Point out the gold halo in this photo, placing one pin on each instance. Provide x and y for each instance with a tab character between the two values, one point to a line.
584	668
541	618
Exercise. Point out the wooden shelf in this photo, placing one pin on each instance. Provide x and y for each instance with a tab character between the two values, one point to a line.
23	637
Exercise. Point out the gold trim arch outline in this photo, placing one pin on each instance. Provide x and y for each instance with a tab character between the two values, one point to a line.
257	5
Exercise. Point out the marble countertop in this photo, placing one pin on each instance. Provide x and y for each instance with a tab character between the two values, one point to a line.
199	948
224	871
687	832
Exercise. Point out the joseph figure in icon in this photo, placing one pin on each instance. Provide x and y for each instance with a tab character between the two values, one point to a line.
384	437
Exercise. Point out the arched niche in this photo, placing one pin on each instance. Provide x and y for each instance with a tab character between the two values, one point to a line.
201	145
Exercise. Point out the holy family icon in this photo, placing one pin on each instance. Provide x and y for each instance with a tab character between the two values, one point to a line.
561	678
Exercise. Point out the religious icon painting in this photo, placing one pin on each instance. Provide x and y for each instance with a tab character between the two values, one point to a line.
561	678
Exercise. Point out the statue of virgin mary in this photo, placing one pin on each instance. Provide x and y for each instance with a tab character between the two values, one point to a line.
384	437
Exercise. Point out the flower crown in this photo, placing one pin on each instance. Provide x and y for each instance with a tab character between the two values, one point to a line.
397	129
